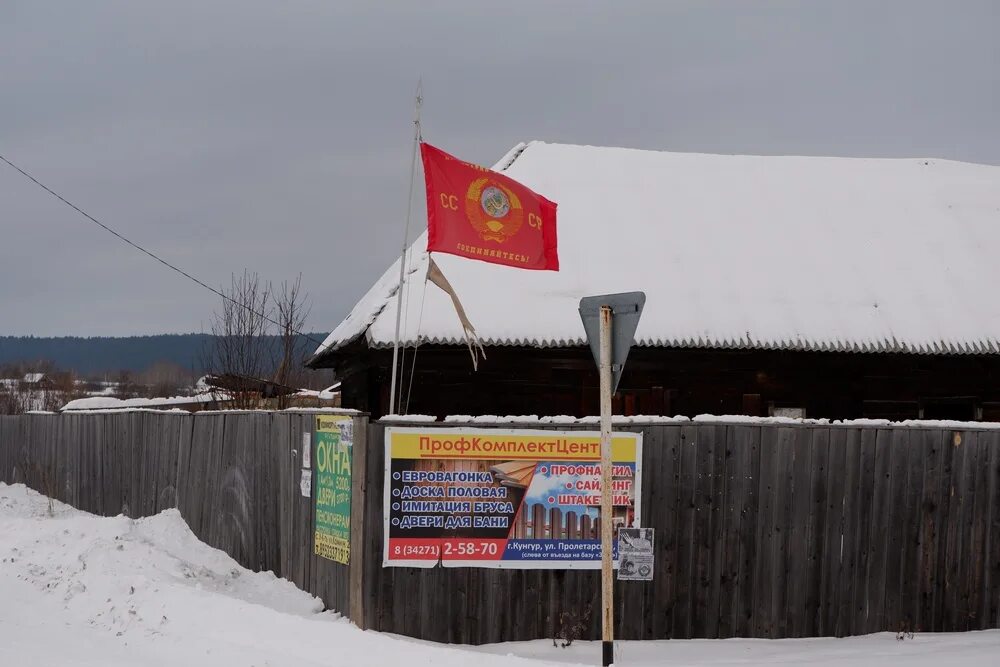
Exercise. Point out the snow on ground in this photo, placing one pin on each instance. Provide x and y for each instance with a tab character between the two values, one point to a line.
79	590
76	589
952	650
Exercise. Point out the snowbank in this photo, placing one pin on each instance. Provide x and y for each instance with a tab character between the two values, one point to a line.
76	589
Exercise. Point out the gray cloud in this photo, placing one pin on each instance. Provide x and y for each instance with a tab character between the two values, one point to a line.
275	136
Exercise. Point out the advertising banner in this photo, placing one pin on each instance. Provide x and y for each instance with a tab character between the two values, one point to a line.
332	441
518	498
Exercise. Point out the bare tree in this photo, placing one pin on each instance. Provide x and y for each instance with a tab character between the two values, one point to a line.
292	309
165	378
125	385
64	387
50	393
256	350
14	398
240	349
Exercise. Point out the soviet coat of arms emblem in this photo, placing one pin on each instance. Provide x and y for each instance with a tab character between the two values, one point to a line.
493	210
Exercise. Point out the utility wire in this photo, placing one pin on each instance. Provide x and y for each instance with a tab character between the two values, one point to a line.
147	252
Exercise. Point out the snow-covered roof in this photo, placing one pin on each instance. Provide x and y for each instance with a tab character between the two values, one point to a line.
732	251
331	392
33	378
110	403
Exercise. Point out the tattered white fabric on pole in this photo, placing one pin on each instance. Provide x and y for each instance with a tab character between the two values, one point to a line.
471	338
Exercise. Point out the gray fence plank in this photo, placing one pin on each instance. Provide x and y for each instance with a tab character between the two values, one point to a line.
686	519
665	582
639	597
991	584
727	600
953	545
931	458
750	456
909	520
875	575
785	455
896	552
706	499
978	523
939	620
797	554
831	539
819	445
967	559
763	619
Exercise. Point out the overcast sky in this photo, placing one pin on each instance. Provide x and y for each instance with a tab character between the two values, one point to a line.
275	136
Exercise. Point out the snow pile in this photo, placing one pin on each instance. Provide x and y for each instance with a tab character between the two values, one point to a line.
493	419
732	251
76	589
408	418
111	403
79	590
330	393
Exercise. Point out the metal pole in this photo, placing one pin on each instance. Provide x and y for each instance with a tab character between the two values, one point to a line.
607	493
406	243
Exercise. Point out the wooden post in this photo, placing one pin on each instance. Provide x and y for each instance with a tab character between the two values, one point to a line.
356	560
607	506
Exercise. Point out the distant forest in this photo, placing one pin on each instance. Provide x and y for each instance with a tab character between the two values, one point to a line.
95	356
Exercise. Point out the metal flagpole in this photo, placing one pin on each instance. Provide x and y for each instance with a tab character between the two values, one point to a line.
406	241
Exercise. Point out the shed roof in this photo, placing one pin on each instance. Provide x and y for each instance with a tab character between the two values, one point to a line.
733	251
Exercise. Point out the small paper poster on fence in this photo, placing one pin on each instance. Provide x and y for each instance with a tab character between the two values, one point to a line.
503	498
333	442
306	451
635	554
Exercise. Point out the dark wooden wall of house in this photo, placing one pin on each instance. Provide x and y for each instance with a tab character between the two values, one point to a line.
658	381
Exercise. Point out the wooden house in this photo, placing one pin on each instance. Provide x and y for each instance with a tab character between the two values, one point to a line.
38	382
795	286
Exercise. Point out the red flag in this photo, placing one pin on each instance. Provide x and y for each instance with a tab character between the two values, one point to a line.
477	213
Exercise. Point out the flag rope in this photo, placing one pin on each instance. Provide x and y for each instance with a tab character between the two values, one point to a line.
416	346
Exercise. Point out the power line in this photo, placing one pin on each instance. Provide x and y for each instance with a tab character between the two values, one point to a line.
138	247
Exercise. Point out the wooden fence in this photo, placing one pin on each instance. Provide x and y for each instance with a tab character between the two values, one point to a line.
234	477
762	530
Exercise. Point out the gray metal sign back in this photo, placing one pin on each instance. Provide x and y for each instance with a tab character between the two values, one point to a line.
626	309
